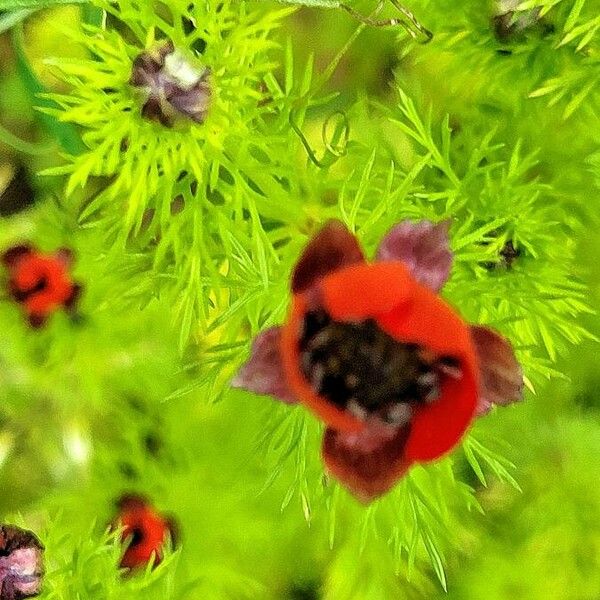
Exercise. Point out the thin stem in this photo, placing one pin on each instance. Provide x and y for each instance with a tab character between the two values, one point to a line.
409	22
10	139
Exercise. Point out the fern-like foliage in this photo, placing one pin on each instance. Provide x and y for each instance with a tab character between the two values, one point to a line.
195	230
177	189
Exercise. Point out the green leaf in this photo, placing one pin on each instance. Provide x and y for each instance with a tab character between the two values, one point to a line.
437	560
10	139
92	15
574	15
65	134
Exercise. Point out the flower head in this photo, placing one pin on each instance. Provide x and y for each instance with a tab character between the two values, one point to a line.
391	369
40	283
145	528
171	85
21	566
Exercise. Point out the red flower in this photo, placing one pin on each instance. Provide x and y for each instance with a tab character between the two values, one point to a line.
146	530
41	283
393	371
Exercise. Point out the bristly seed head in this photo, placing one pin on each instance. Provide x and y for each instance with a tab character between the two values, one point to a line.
362	369
172	85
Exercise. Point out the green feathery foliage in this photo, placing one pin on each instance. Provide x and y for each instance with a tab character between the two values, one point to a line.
184	187
185	239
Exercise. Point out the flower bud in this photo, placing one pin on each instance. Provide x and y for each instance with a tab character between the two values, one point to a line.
21	566
171	85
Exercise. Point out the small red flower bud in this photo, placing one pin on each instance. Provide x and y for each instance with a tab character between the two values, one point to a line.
21	567
145	531
40	283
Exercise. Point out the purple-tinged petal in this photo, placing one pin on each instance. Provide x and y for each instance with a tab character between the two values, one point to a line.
331	249
171	84
66	256
71	301
423	247
21	574
367	463
14	254
193	103
263	372
500	372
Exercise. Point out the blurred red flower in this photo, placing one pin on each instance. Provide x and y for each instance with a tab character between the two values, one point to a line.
145	531
40	283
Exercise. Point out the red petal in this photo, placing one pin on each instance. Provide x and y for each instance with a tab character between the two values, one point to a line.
332	248
139	517
368	464
362	291
423	247
263	372
429	321
410	313
501	376
33	269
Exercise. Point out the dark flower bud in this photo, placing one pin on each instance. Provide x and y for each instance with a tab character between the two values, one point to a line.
507	256
21	566
171	84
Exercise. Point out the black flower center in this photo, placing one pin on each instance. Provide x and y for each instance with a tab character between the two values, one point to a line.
21	295
359	367
137	536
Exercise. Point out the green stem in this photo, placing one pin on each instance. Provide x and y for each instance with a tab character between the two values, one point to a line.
10	139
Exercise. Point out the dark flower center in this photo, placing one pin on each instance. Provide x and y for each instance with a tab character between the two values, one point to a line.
137	536
359	367
21	295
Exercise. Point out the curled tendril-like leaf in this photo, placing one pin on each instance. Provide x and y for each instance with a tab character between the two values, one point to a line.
408	21
336	144
340	136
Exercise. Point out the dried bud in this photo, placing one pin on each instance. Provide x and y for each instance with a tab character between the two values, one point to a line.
21	567
507	256
508	25
171	85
